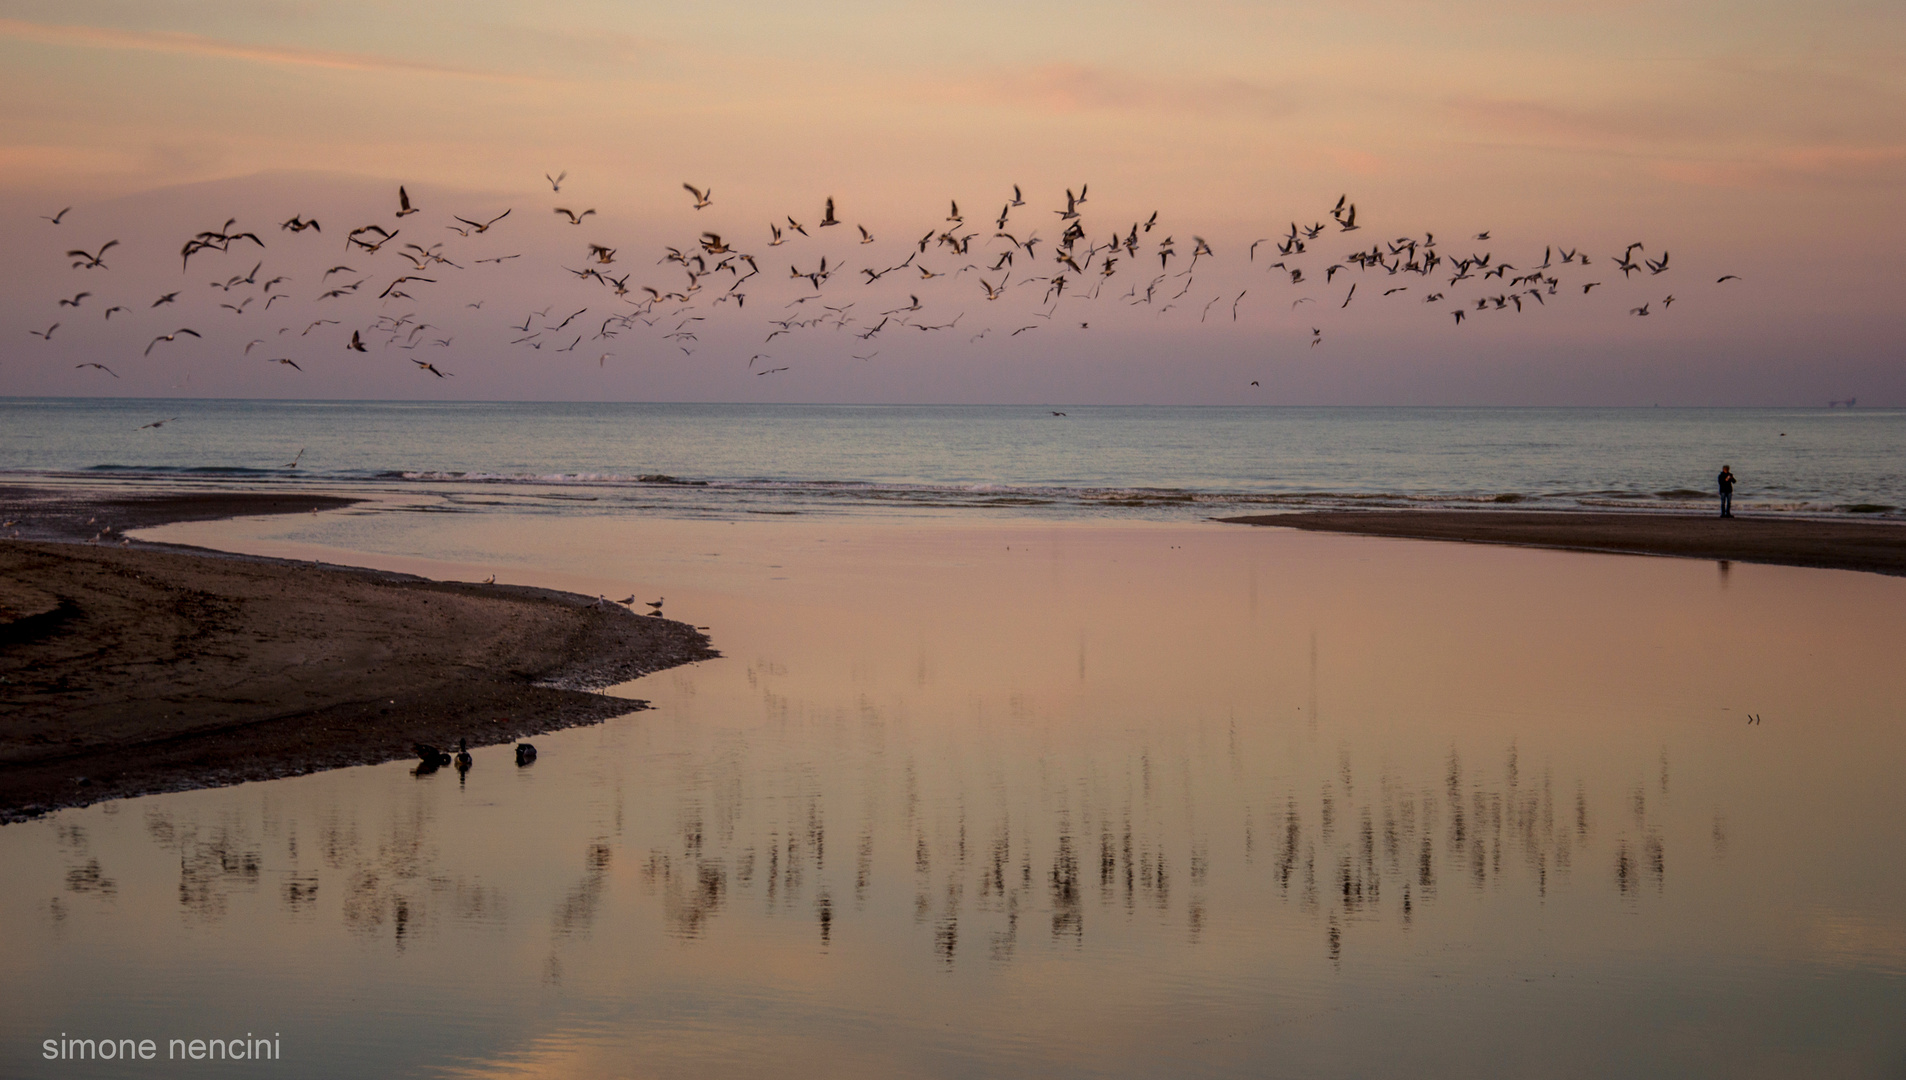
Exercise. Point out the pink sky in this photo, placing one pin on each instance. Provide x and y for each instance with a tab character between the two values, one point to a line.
1764	140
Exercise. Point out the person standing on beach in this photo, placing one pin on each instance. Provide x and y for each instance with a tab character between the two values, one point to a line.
1726	482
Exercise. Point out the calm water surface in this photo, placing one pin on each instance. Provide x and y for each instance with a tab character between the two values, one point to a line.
1016	798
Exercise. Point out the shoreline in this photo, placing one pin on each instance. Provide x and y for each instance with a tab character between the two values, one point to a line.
1866	546
131	669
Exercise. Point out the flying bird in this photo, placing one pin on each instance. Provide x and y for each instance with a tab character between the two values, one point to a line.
702	198
476	228
92	260
157	423
574	218
101	367
403	200
55	219
556	182
170	337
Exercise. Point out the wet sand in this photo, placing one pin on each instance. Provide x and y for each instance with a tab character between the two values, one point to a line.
1876	547
126	670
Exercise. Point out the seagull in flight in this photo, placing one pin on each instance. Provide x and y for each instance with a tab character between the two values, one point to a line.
702	198
574	218
101	367
94	259
485	227
403	200
170	337
55	219
157	423
556	182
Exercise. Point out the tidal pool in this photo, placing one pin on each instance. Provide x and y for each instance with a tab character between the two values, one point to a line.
1010	799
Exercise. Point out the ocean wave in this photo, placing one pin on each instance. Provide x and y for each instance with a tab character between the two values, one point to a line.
657	492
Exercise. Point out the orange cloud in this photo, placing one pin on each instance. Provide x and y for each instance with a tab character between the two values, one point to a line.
1066	88
99	37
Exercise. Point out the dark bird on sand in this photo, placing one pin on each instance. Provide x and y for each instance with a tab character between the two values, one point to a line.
525	753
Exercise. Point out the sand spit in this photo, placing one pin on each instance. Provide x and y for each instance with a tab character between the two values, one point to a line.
131	670
1876	547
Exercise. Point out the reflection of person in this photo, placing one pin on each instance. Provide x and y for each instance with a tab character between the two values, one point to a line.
1726	482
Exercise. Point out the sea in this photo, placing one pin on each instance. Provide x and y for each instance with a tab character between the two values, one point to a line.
1052	463
1016	764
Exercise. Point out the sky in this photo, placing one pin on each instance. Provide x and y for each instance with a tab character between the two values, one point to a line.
1763	140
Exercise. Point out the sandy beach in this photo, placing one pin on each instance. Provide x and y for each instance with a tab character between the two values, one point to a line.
1875	547
131	670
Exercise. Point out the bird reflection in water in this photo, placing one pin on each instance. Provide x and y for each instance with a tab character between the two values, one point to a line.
1359	849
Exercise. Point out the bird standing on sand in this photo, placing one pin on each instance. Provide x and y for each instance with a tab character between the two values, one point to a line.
464	760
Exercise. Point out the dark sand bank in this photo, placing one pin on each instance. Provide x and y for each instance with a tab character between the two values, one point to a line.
1876	547
131	670
54	513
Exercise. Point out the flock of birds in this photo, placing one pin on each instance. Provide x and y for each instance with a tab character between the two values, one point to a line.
1025	271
